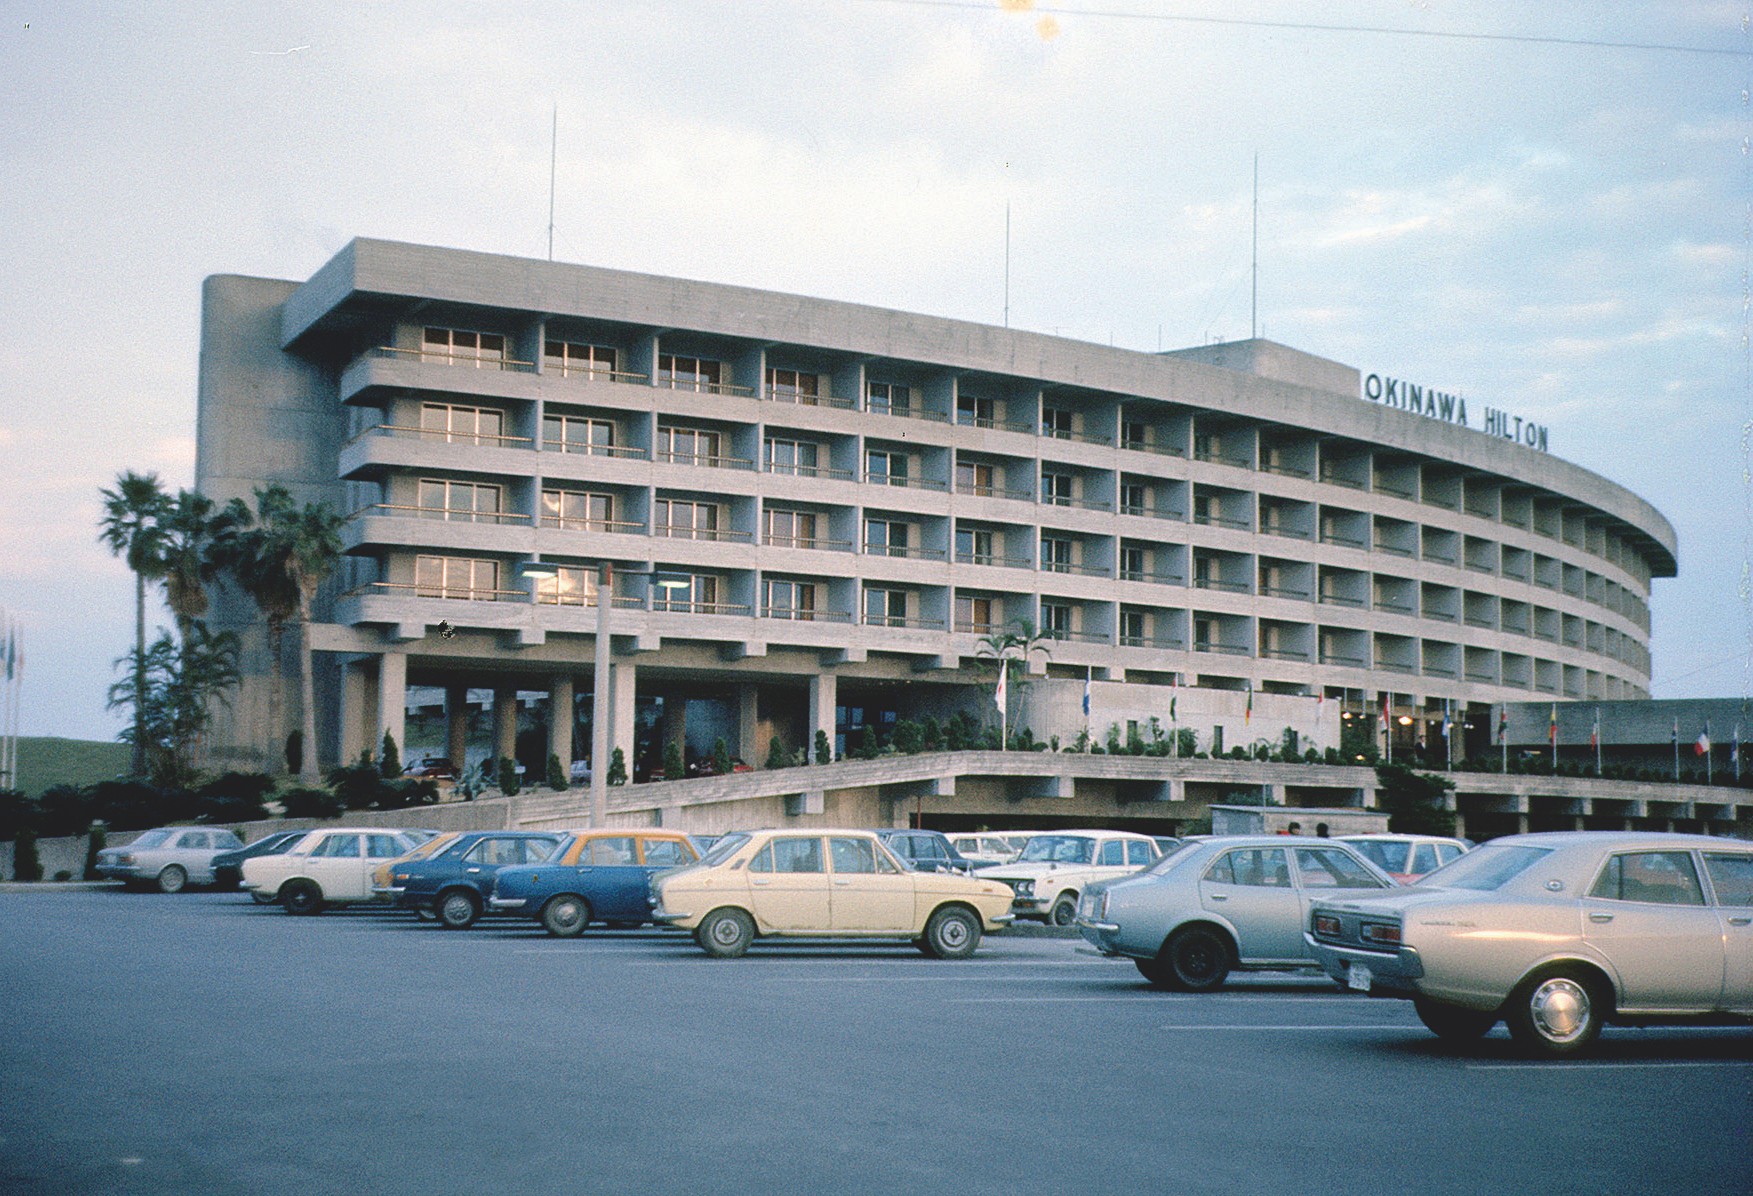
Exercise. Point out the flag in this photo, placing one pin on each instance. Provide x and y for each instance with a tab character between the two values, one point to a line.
11	648
1503	723
1086	697
1174	691
1702	748
1595	731
1248	714
1446	723
1552	727
998	692
1384	712
1676	735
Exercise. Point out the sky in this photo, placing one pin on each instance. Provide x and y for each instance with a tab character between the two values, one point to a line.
1542	208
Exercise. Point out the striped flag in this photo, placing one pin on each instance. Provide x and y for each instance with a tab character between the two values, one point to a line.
1248	714
1552	727
1086	697
1702	747
1595	731
999	691
1174	692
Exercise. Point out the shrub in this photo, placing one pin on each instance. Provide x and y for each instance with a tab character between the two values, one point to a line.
674	769
389	760
557	778
1114	748
777	756
1414	801
824	749
129	806
99	839
508	784
617	768
721	761
295	752
311	803
25	864
253	786
229	809
359	786
407	791
930	735
472	781
16	810
908	739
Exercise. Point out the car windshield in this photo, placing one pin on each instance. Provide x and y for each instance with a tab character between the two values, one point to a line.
1486	868
1388	855
432	846
1058	849
150	839
1172	857
723	849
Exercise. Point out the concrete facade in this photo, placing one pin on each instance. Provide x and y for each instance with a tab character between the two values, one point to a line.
855	497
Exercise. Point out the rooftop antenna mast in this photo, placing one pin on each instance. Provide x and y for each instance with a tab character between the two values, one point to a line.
553	156
1254	299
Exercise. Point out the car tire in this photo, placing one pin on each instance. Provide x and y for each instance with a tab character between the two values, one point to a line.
261	898
1555	1014
458	910
725	933
952	933
566	916
1453	1023
302	897
1198	958
1064	911
174	879
1158	972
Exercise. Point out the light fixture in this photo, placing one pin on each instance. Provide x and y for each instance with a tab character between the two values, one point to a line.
542	570
1405	720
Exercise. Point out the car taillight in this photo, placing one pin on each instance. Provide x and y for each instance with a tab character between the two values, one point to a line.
1327	924
1385	933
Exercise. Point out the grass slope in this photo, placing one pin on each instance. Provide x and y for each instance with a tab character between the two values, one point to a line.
44	762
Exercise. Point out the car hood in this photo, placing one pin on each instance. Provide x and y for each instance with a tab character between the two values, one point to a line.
1029	871
1401	900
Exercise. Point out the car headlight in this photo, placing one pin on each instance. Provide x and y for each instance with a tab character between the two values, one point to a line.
1025	888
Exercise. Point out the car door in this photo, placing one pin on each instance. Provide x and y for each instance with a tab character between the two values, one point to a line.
788	884
868	891
191	851
1731	881
1325	872
1110	862
612	879
1647	916
1251	889
334	862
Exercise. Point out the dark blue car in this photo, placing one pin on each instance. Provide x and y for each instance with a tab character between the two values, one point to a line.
454	884
228	865
598	876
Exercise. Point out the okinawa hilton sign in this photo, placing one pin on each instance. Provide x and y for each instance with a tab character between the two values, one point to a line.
1451	409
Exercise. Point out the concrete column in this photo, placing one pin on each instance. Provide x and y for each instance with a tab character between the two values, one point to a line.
355	709
824	689
392	702
504	721
623	711
560	720
456	713
748	725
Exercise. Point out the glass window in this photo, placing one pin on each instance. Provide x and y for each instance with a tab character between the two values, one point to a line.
974	412
763	861
1386	854
571	585
925	847
461	425
792	456
687	444
791	529
193	839
884	468
667	853
889	398
1446	853
338	847
792	386
461	346
1256	867
566	359
384	847
1058	849
976	477
797	855
1330	868
1424	859
1731	875
1056	488
789	599
1138	853
576	434
1659	877
1487	868
456	577
687	373
852	855
613	850
1113	854
885	608
496	852
536	851
1056	422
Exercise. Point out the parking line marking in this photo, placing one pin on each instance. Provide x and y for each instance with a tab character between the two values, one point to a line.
1592	1065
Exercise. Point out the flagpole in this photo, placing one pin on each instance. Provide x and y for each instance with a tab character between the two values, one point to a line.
1676	748
1503	736
1707	752
1597	741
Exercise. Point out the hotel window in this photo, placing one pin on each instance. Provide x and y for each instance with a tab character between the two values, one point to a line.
1056	619
888	398
974	614
686	520
1055	488
468	501
1134	498
976	477
789	599
791	529
456	577
1135	434
575	434
885	468
462	425
793	457
1056	422
577	510
885	537
1134	626
571	585
688	373
1134	564
974	546
701	593
574	360
974	412
687	445
468	348
1055	554
791	386
885	608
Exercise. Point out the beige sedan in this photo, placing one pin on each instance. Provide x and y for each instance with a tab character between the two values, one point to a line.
837	883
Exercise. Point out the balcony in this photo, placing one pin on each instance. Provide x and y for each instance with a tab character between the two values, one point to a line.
1218	649
403	589
624	452
963	419
1284	653
1212	519
439	436
1078	569
816	543
906	551
1082	504
462	360
685	607
870	620
614	527
1266	591
1342	540
701	386
1354	603
1150	641
1216	457
979	491
1285	471
908	412
1223	587
1334	478
1151	446
994	559
1077	637
707	460
714	534
800	615
909	483
811	471
452	514
790	394
1343	660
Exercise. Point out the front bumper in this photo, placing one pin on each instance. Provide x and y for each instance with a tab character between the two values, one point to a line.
507	905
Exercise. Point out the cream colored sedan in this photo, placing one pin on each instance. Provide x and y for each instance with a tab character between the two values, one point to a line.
836	883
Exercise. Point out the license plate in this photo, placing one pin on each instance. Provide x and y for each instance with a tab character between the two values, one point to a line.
1358	978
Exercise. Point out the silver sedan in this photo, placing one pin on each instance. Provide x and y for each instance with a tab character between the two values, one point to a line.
1556	934
170	857
1219	904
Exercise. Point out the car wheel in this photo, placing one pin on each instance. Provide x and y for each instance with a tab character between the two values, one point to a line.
1555	1014
1064	910
1452	1023
458	910
261	898
566	917
302	897
1198	958
952	933
173	879
1157	971
725	933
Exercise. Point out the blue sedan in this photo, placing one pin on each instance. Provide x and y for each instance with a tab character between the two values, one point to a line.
454	884
597	876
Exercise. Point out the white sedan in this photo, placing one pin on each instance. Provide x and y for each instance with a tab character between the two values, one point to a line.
1055	868
326	867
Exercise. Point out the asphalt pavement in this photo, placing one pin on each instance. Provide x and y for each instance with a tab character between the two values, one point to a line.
200	1043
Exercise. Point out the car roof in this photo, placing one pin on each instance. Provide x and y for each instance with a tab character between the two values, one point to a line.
1622	839
1393	837
1095	830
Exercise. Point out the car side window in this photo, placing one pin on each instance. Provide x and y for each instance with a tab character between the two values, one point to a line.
666	853
1447	851
902	845
1254	866
1113	854
797	855
535	851
613	850
930	849
1658	877
1731	875
1138	852
338	847
852	855
384	847
192	839
494	852
1326	868
763	861
1424	858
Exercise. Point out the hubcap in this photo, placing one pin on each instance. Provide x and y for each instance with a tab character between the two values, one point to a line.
457	909
1560	1009
953	933
566	914
1197	959
726	932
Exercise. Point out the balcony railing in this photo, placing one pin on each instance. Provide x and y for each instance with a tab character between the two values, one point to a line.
908	412
873	620
444	436
709	460
1080	570
1151	446
687	607
979	491
405	589
784	394
1149	641
1342	600
1342	540
1393	491
623	451
451	514
796	614
1161	579
811	471
1334	478
1220	649
992	558
1285	471
596	374
1217	583
1209	519
1398	608
906	550
911	483
718	534
1288	533
1267	591
1284	653
443	357
1214	457
619	527
1394	549
701	386
967	627
1085	504
1343	659
812	542
1002	425
1077	637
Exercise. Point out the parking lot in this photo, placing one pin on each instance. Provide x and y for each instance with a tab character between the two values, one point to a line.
199	1043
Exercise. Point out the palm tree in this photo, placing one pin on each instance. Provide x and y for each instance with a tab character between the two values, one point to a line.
280	557
133	528
1011	647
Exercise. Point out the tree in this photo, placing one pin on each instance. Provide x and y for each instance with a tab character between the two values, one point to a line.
173	688
1415	801
824	749
389	759
132	527
1011	648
